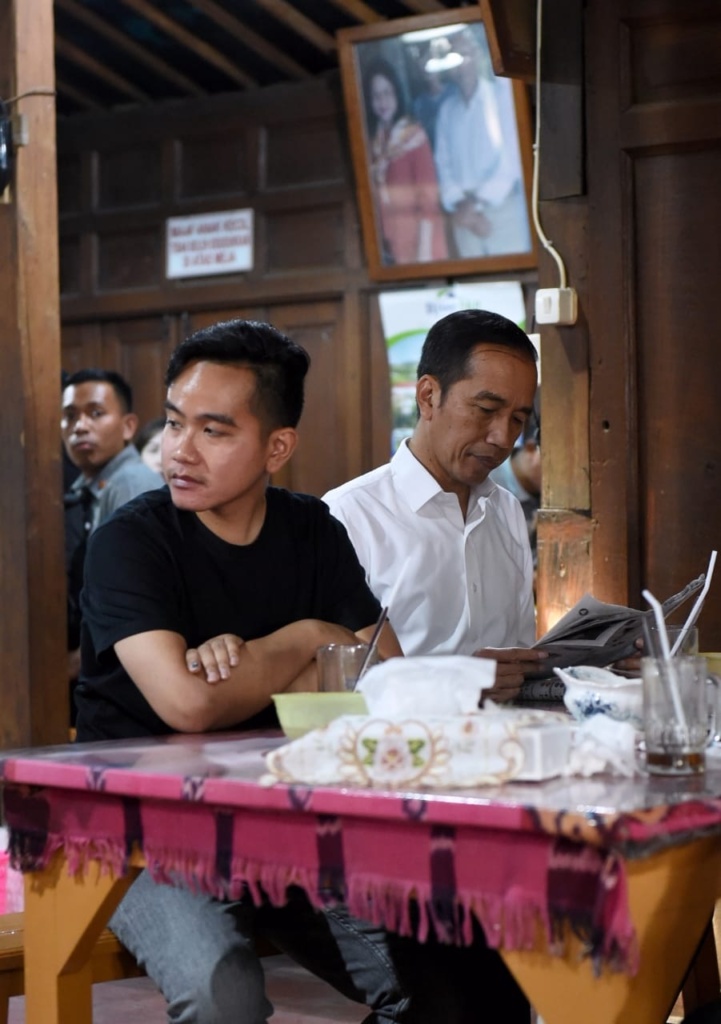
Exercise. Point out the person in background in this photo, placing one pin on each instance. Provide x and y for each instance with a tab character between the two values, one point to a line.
435	85
97	425
521	475
403	174
148	442
478	158
437	537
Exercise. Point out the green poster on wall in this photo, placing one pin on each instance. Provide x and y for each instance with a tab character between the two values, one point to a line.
406	317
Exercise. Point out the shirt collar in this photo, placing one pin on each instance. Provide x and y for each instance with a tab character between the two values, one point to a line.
417	486
98	482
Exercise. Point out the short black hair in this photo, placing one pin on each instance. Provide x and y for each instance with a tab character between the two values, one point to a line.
279	365
450	342
118	383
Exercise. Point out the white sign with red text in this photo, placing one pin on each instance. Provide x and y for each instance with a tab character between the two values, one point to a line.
210	243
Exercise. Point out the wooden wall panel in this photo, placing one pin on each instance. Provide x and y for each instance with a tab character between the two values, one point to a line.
303	239
564	553
319	462
675	59
654	124
81	347
129	259
261	151
302	152
214	164
129	176
70	184
140	349
71	266
679	363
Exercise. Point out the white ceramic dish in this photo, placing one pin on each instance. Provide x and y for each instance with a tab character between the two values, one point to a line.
597	691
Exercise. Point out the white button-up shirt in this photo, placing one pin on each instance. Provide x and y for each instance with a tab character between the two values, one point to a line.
452	586
477	151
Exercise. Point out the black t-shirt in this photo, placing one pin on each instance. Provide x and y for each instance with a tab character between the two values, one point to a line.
152	566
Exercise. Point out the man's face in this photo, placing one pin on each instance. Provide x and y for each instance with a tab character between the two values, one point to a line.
466	74
216	454
94	425
474	428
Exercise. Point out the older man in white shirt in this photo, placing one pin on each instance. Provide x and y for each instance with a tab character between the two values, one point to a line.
442	544
478	160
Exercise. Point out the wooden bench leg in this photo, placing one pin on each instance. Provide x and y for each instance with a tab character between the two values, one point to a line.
702	983
5	993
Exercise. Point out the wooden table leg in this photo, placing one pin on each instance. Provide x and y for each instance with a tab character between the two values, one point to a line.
671	897
64	916
702	984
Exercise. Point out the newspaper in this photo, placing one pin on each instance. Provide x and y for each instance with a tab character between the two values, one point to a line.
596	633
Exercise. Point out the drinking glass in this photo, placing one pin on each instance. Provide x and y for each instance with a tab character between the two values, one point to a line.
339	665
679	713
689	644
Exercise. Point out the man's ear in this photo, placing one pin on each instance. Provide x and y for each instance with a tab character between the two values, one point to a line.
130	426
281	445
428	395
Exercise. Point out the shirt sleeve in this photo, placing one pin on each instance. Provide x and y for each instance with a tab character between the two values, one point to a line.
351	602
129	585
122	488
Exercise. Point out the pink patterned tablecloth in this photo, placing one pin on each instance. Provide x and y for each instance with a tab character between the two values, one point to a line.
510	856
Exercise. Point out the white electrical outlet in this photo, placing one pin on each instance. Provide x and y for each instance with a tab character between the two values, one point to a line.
556	306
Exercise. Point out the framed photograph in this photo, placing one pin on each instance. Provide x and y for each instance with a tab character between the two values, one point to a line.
441	148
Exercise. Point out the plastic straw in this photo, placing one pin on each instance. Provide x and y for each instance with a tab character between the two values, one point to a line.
660	624
670	673
383	616
696	610
373	644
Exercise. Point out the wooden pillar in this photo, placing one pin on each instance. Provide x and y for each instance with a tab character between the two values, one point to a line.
33	687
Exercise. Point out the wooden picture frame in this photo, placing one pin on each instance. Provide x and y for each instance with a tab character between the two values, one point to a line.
441	149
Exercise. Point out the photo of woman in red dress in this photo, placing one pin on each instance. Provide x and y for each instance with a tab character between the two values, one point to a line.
403	174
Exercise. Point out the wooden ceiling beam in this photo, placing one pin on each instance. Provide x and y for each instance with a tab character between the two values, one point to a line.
128	45
359	10
251	39
429	7
298	23
201	49
77	56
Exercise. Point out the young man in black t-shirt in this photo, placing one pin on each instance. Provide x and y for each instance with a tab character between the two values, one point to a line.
200	601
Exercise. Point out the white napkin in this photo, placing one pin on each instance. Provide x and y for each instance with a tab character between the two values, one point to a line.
421	686
601	744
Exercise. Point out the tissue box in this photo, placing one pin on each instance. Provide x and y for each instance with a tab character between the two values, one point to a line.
485	748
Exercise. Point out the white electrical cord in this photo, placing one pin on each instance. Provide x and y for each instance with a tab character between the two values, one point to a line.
545	242
31	92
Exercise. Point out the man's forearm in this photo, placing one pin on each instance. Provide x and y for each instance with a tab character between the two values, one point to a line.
187	702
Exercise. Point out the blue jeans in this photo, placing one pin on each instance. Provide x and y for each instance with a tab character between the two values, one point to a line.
200	952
